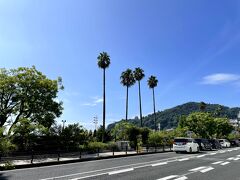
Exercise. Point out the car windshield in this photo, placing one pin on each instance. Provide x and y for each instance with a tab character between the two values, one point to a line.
180	140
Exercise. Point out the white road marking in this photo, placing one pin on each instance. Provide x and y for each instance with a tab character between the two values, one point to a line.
199	168
230	150
185	159
212	153
222	152
218	162
147	163
168	177
225	163
231	158
206	170
181	178
159	164
236	159
120	171
238	155
201	156
84	177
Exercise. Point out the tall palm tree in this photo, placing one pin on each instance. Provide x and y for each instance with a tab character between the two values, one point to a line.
139	75
127	79
103	61
152	83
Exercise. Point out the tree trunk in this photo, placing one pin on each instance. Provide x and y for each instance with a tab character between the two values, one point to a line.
127	105
155	119
104	106
140	102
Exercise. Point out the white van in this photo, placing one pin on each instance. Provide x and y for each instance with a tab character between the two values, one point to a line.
185	145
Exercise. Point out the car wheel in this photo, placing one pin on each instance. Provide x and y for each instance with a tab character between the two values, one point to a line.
190	150
198	149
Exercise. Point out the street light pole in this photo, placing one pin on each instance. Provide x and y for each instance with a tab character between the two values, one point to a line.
95	121
63	121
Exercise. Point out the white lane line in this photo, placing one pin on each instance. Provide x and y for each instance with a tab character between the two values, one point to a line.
225	163
236	159
201	156
222	152
147	163
159	164
206	170
231	158
168	177
218	162
230	150
238	155
181	178
185	159
120	171
199	168
84	177
212	153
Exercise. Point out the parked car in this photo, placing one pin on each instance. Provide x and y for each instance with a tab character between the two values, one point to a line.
185	145
224	143
204	144
215	144
235	143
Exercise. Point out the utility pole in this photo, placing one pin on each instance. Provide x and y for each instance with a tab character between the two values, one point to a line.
95	121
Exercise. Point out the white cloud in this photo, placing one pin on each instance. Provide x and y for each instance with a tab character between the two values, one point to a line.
95	101
220	78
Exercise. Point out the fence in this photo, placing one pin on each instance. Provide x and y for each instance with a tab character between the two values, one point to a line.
30	157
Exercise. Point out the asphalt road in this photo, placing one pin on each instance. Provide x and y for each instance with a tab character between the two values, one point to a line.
212	165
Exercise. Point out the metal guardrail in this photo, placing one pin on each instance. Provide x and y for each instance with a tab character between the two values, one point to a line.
40	157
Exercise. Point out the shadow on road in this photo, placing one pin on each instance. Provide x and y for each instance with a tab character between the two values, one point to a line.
3	177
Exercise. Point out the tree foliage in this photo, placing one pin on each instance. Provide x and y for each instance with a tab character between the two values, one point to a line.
27	93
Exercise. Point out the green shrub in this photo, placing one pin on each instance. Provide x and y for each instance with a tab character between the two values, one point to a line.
93	146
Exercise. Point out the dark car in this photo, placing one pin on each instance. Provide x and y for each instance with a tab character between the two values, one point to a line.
215	144
204	144
235	143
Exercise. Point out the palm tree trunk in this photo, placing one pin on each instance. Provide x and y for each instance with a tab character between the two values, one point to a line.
140	103
155	119
127	105
104	106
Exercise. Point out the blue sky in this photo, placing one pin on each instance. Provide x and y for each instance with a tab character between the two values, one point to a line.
191	46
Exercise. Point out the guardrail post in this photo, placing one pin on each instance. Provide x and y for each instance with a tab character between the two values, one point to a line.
80	154
126	149
32	156
58	155
113	151
98	152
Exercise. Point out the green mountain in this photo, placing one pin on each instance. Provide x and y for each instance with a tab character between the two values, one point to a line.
169	118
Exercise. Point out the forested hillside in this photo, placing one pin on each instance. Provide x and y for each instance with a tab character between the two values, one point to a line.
169	118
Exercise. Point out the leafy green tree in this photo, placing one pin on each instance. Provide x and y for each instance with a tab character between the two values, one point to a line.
6	144
27	93
202	124
223	127
120	130
24	132
152	83
127	79
103	63
73	135
139	75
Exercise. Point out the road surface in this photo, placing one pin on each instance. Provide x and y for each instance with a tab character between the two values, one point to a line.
212	165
